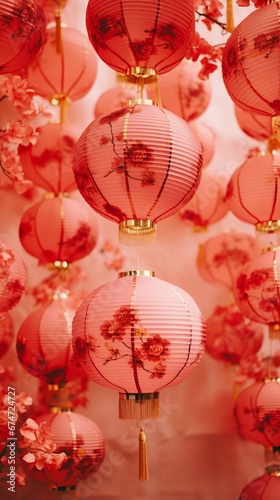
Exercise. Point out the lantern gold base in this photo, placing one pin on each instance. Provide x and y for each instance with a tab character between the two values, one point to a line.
274	331
269	226
138	406
137	73
58	398
137	231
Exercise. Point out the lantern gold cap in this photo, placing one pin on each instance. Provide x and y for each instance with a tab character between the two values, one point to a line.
138	406
136	272
136	73
268	226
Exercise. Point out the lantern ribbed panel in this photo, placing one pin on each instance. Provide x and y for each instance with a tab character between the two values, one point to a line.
253	193
257	288
58	229
22	34
44	342
138	334
82	441
48	163
140	33
139	162
265	487
207	138
251	54
6	333
256	413
257	126
69	74
12	284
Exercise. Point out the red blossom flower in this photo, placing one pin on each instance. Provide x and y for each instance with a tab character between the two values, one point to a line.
148	178
159	370
155	348
138	155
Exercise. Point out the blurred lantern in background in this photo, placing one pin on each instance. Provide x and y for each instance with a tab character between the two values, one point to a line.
6	333
207	139
255	125
52	8
12	278
113	99
265	487
22	34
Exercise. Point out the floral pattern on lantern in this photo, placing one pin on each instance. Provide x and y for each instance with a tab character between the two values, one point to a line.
6	333
58	229
265	487
127	171
132	34
22	34
12	278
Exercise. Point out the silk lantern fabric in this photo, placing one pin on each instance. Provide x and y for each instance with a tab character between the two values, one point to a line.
12	279
131	34
22	34
6	333
138	334
265	487
139	163
255	125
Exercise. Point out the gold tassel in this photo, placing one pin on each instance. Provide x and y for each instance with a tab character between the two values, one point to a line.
143	458
230	23
58	33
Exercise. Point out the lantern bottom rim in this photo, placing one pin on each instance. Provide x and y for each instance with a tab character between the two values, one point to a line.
138	406
140	231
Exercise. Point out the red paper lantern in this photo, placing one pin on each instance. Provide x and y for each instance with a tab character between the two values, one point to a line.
208	204
207	139
113	99
265	487
251	53
137	166
253	194
48	163
44	341
257	288
257	411
138	334
183	92
135	36
257	126
230	336
6	333
82	441
221	258
12	278
22	34
58	229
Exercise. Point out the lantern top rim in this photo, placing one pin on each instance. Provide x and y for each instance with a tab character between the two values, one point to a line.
136	272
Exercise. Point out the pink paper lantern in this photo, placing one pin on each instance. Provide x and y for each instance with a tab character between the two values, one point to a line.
113	99
251	53
257	126
12	278
22	34
137	36
137	166
138	334
265	487
58	229
230	336
44	341
222	257
183	92
6	333
82	441
48	163
208	204
257	288
207	139
253	195
257	411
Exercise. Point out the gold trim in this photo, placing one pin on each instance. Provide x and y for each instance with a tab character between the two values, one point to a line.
269	226
139	397
273	470
137	225
274	331
64	488
59	264
136	272
136	73
150	102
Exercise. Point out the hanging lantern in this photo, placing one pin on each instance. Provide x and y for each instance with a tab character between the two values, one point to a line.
12	278
253	194
6	333
44	341
257	289
257	126
265	487
207	139
256	412
221	258
48	163
230	336
82	441
137	166
140	38
113	99
22	34
66	73
183	92
58	230
208	204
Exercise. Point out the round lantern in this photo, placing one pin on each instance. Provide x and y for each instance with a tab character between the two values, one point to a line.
58	229
22	34
230	336
207	139
253	194
208	204
137	166
113	99
140	37
251	53
6	333
257	126
12	278
48	163
222	257
65	75
138	334
44	342
265	487
183	92
82	441
257	289
256	412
